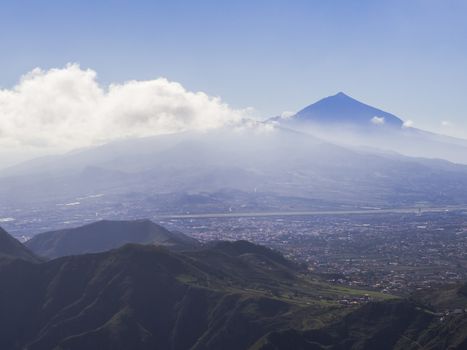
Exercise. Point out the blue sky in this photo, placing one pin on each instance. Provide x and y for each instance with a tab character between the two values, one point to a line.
407	57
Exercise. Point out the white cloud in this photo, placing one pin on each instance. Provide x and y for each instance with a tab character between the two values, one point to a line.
378	120
66	108
446	124
408	124
287	114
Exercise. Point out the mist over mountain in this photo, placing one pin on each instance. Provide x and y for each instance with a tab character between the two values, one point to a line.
256	162
344	120
332	155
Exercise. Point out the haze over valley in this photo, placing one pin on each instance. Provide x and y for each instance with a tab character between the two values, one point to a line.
279	165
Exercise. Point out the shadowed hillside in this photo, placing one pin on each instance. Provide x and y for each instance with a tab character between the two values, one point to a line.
105	235
146	297
226	295
12	248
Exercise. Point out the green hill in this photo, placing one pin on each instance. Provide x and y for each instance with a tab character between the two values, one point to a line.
225	295
389	325
147	297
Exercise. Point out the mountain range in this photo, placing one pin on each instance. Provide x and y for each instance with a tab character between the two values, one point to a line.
136	285
224	295
332	155
343	120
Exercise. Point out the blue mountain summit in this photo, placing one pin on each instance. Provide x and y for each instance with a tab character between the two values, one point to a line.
343	109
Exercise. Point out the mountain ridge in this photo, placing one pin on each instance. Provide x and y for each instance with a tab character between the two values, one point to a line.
105	235
341	108
343	120
146	297
229	295
11	248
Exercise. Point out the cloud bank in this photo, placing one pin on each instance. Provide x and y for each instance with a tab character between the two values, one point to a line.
67	108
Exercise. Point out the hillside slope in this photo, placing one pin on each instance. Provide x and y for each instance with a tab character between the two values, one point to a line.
146	297
12	248
431	320
228	295
105	235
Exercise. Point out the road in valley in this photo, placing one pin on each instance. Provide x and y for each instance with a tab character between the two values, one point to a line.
414	210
